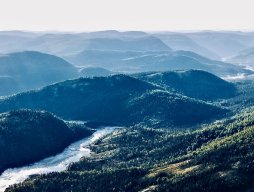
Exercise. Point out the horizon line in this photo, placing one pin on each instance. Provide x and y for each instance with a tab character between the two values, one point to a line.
129	30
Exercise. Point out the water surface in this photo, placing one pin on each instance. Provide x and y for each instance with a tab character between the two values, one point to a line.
56	163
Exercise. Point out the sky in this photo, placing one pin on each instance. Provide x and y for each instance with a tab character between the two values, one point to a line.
147	15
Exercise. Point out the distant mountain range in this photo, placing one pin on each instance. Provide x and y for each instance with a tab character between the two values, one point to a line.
134	51
137	61
60	44
211	44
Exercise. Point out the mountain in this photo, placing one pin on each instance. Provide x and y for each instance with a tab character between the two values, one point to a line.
192	83
94	72
33	69
245	58
8	85
217	157
223	43
28	136
179	41
118	100
108	59
99	51
149	43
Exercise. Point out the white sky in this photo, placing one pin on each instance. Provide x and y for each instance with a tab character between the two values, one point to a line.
152	15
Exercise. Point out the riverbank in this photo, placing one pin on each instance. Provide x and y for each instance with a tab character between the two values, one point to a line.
56	163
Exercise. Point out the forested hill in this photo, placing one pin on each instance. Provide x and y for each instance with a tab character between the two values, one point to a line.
118	99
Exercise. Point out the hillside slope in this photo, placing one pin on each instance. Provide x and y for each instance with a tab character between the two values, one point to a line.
218	157
192	83
94	72
28	136
34	69
8	85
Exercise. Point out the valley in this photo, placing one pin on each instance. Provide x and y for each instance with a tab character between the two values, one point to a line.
56	163
163	111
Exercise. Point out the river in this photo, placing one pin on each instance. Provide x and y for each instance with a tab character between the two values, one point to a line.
56	163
